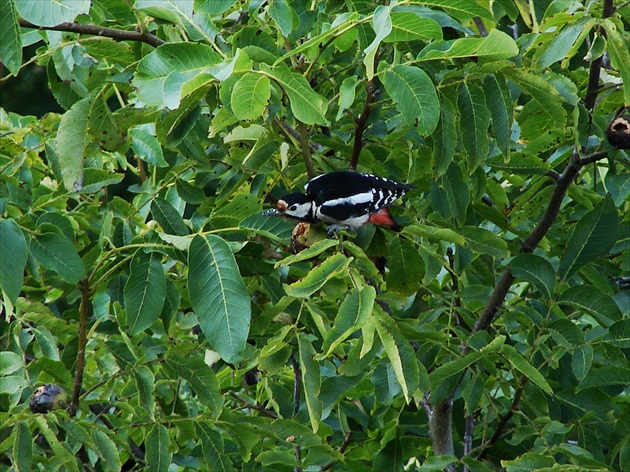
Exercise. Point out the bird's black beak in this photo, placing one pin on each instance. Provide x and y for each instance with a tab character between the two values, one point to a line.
272	212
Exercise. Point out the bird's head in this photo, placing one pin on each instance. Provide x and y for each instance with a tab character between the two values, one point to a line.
295	205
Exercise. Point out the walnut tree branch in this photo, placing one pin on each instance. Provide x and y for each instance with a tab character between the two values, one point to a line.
503	419
538	233
119	35
360	124
297	393
84	287
596	66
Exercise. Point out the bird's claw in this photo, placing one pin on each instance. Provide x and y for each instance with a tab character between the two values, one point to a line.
333	230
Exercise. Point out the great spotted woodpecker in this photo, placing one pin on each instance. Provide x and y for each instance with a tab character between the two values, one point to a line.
344	200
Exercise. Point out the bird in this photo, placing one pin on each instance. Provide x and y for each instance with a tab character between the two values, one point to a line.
343	200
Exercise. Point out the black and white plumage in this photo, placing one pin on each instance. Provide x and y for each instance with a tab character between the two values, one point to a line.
343	199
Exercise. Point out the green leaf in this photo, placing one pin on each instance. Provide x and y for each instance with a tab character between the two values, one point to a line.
382	25
318	276
168	217
307	106
106	450
542	92
353	313
435	233
145	291
145	383
282	14
460	9
51	12
13	256
566	333
592	300
499	102
62	455
22	447
10	362
567	38
10	37
147	147
536	270
72	139
409	26
414	94
472	392
239	208
529	461
102	125
158	454
581	361
444	137
494	47
346	95
57	253
474	123
519	163
250	96
524	367
449	369
606	376
315	250
619	333
592	238
390	457
172	71
95	180
619	55
457	365
175	126
483	241
400	355
219	296
311	379
213	7
449	194
212	447
406	267
201	379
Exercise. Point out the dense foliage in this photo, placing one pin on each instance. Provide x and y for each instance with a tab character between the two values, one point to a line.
153	317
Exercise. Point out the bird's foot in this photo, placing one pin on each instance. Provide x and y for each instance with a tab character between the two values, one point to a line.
334	230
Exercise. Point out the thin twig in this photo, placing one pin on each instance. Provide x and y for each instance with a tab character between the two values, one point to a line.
84	287
253	406
469	428
480	26
596	66
99	411
455	283
346	441
503	419
297	393
305	138
119	35
360	125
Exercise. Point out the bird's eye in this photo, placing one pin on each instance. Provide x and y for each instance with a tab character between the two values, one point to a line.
293	208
